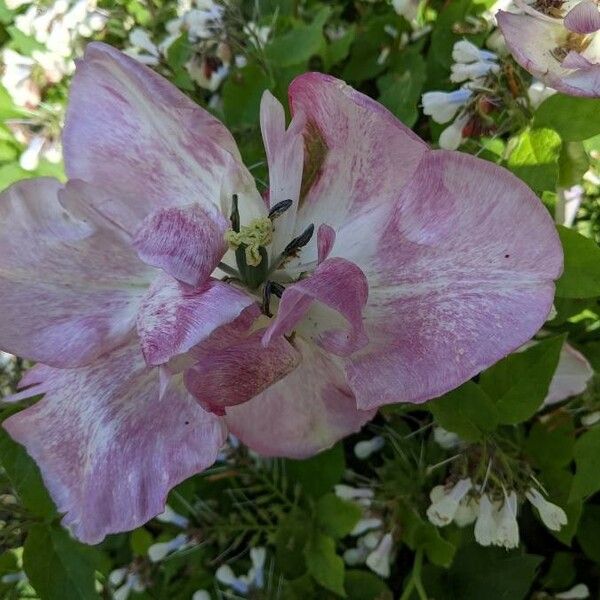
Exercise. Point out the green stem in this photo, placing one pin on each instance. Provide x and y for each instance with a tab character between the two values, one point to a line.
415	583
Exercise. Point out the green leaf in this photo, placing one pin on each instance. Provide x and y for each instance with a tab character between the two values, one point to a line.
58	567
179	52
337	517
587	474
300	43
550	443
338	49
581	275
588	533
534	158
519	383
401	88
290	541
492	574
362	585
25	477
467	411
242	92
324	564
561	573
318	475
140	540
574	119
573	163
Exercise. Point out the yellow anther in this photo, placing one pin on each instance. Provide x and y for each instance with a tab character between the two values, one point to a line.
258	233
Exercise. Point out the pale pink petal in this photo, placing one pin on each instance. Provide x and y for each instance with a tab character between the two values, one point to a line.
69	284
462	276
572	376
574	60
533	43
325	241
110	447
187	242
173	317
303	413
285	155
234	374
135	133
583	17
339	285
353	146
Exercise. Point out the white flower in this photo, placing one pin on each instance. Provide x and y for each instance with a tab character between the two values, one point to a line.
370	540
379	560
553	516
132	583
170	516
30	158
15	577
157	552
443	106
591	418
473	71
347	492
17	78
507	534
201	595
355	556
467	52
444	438
258	556
442	510
407	8
577	592
486	526
364	449
538	92
226	576
143	48
452	137
467	511
365	525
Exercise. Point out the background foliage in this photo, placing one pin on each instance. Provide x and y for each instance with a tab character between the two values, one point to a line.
308	515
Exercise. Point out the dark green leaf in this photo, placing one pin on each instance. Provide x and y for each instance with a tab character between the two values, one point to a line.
324	564
337	517
575	119
581	275
291	538
318	475
587	473
362	585
519	383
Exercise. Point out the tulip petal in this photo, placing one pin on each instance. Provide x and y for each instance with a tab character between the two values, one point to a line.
131	130
352	146
226	376
571	378
325	241
463	275
173	318
110	447
305	412
533	43
69	285
187	242
285	155
583	17
337	284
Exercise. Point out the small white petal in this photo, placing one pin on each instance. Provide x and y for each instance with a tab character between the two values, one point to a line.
364	449
117	576
444	438
578	592
379	560
486	525
347	492
365	525
355	556
467	52
201	595
507	534
553	516
170	516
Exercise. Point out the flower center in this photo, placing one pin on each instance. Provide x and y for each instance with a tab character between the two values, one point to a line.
249	242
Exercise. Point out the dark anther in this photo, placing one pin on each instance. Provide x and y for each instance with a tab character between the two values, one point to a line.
279	209
235	214
271	288
300	241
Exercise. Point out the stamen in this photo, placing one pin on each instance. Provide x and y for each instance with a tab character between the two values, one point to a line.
235	214
271	288
279	209
300	241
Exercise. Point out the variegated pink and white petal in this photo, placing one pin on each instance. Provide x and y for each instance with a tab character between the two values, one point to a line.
325	242
174	317
110	447
584	17
285	158
572	376
133	132
226	376
305	412
533	41
463	275
340	286
187	242
70	285
357	158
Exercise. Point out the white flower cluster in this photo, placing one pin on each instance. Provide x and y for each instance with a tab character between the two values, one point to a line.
495	520
125	580
244	584
57	27
374	546
471	67
160	550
